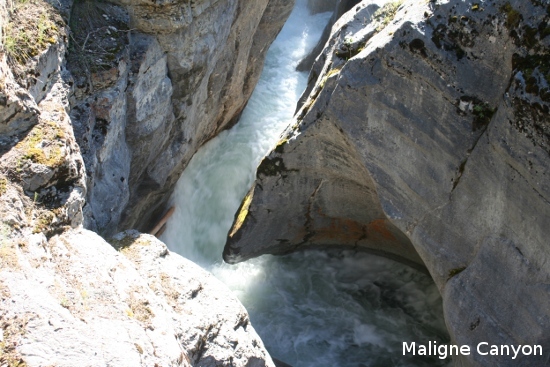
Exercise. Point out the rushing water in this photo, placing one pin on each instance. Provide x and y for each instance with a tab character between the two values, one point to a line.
312	309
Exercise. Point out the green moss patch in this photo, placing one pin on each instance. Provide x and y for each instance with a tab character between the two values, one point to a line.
482	115
481	110
43	145
513	17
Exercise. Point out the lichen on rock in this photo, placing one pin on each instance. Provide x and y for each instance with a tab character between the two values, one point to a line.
68	297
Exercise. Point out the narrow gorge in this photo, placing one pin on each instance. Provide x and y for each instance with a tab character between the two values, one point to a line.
376	181
318	309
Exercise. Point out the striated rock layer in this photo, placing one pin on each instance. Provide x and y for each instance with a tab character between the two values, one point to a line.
425	138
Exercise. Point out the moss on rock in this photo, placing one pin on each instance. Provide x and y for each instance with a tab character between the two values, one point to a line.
513	17
3	185
43	145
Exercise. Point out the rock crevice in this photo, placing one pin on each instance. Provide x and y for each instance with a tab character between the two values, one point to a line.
176	74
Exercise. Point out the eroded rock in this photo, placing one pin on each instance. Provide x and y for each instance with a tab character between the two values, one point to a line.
436	105
176	74
96	131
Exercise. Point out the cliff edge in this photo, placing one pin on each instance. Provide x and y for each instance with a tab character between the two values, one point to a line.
102	104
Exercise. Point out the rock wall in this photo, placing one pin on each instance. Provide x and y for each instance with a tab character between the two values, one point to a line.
426	129
320	6
95	131
146	86
170	76
42	175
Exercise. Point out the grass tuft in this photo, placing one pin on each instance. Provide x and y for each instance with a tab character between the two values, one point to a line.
386	14
32	27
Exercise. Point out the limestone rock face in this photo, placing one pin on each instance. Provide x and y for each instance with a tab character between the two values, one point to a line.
98	119
290	205
73	300
176	74
42	176
431	119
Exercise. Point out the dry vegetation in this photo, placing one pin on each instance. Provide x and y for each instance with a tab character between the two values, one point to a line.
43	145
32	27
99	34
385	14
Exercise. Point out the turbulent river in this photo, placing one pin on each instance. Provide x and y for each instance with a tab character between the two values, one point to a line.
312	309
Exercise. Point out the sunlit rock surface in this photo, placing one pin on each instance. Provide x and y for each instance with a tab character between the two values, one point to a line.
73	300
86	115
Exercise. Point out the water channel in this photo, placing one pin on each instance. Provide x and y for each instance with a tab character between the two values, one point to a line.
312	309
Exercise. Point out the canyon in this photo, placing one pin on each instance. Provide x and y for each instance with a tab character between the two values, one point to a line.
422	136
103	104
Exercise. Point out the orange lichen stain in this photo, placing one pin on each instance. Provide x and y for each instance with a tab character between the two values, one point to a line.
341	230
379	227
